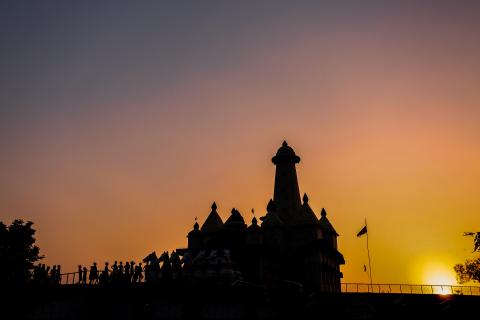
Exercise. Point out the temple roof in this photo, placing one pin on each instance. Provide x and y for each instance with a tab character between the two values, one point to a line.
305	215
285	152
325	223
254	226
195	230
235	219
271	219
213	223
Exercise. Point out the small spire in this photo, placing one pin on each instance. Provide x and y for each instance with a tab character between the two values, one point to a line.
196	226
305	198
323	213
254	221
214	206
271	206
285	144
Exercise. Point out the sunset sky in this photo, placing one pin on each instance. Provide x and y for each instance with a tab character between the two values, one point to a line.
121	122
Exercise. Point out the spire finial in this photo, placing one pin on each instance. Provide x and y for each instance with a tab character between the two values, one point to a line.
305	198
214	206
323	213
196	226
285	144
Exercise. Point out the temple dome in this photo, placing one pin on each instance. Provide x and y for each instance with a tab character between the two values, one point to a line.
195	231
235	219
285	152
271	219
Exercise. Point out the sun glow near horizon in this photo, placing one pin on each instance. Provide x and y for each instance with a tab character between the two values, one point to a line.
437	273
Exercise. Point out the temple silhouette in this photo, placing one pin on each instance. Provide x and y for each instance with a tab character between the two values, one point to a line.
285	267
291	244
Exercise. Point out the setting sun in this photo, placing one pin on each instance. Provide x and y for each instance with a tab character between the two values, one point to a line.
437	274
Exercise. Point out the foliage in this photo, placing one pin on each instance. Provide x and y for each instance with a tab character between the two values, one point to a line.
470	270
476	240
18	252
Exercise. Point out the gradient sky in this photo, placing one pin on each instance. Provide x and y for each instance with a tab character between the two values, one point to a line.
122	121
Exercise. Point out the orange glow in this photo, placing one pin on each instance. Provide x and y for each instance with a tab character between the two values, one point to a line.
385	121
439	275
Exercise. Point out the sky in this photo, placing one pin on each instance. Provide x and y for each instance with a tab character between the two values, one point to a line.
122	121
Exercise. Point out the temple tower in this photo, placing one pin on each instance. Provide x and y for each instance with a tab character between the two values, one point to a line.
286	194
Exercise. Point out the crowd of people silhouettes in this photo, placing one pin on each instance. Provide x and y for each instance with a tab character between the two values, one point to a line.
45	275
201	266
130	272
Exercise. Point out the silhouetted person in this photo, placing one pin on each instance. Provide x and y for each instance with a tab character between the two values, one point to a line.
106	269
104	275
93	276
40	273
132	270
84	275
137	276
155	270
79	274
114	276
127	272
53	274
120	272
46	275
58	279
166	268
148	272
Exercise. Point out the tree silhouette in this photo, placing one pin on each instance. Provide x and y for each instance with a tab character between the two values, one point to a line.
476	240
18	252
470	270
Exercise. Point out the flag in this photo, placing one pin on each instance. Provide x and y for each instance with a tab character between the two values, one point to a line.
362	232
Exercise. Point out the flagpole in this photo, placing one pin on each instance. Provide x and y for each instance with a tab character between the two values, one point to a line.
368	252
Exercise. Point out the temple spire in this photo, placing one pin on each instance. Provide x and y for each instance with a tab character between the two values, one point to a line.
213	223
286	194
305	198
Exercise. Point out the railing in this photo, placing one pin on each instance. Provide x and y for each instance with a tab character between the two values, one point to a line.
69	278
410	288
72	278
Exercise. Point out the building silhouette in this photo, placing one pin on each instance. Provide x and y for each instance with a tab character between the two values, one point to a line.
291	244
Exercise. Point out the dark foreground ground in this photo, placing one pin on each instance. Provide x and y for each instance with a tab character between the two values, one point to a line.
240	302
